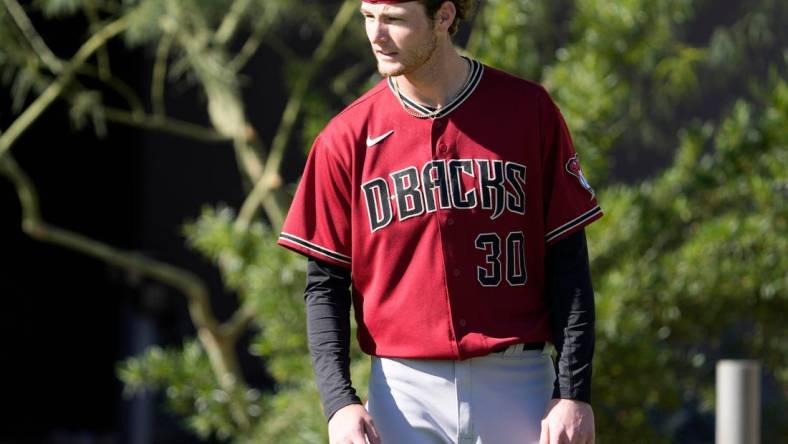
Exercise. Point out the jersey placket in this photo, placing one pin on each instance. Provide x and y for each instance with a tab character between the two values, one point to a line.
443	150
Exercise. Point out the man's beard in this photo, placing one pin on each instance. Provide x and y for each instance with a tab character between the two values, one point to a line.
412	61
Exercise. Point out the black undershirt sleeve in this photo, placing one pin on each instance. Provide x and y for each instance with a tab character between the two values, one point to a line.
327	298
571	300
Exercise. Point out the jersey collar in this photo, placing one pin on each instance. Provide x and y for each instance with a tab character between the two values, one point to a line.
476	75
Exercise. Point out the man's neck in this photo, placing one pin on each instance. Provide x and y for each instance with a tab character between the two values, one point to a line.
439	80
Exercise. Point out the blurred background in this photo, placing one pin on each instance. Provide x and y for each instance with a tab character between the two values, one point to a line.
149	149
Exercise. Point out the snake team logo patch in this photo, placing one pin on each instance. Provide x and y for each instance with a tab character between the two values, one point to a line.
573	168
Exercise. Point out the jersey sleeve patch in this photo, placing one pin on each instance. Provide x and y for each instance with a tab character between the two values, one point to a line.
573	168
311	249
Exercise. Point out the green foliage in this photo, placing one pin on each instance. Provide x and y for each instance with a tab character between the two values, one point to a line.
271	280
520	37
316	113
153	18
294	415
185	377
624	72
690	269
59	8
146	21
606	80
20	71
267	278
85	108
690	265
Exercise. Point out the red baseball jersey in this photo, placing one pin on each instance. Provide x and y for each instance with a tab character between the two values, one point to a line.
443	222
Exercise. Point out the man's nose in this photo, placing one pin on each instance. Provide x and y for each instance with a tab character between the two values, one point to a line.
378	32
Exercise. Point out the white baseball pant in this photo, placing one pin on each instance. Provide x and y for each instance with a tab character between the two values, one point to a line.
496	399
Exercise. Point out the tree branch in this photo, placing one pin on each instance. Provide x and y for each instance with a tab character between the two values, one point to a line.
270	178
34	226
342	81
160	74
225	105
247	153
54	90
231	21
26	191
293	107
237	325
50	60
165	124
102	56
250	46
218	346
284	50
119	86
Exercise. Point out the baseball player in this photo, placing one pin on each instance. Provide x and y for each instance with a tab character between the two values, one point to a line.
450	198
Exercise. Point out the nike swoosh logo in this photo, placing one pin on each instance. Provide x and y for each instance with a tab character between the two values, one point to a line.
376	140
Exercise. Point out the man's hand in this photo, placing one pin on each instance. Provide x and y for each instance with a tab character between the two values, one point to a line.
567	421
352	425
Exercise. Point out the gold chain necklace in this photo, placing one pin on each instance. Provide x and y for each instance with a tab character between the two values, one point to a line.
432	114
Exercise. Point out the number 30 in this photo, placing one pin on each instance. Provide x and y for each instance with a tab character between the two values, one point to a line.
490	243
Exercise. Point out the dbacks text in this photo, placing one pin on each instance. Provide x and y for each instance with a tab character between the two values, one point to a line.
498	186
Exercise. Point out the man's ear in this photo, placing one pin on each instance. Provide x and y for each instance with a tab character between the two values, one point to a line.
445	15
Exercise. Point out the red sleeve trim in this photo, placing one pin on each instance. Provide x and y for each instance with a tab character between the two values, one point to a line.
307	248
573	225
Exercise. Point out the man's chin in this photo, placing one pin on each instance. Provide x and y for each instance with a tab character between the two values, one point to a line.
390	69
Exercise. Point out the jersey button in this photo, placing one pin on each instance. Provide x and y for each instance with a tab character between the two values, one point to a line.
443	148
450	221
456	272
462	323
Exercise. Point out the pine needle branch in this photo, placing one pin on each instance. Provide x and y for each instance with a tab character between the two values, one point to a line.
55	89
